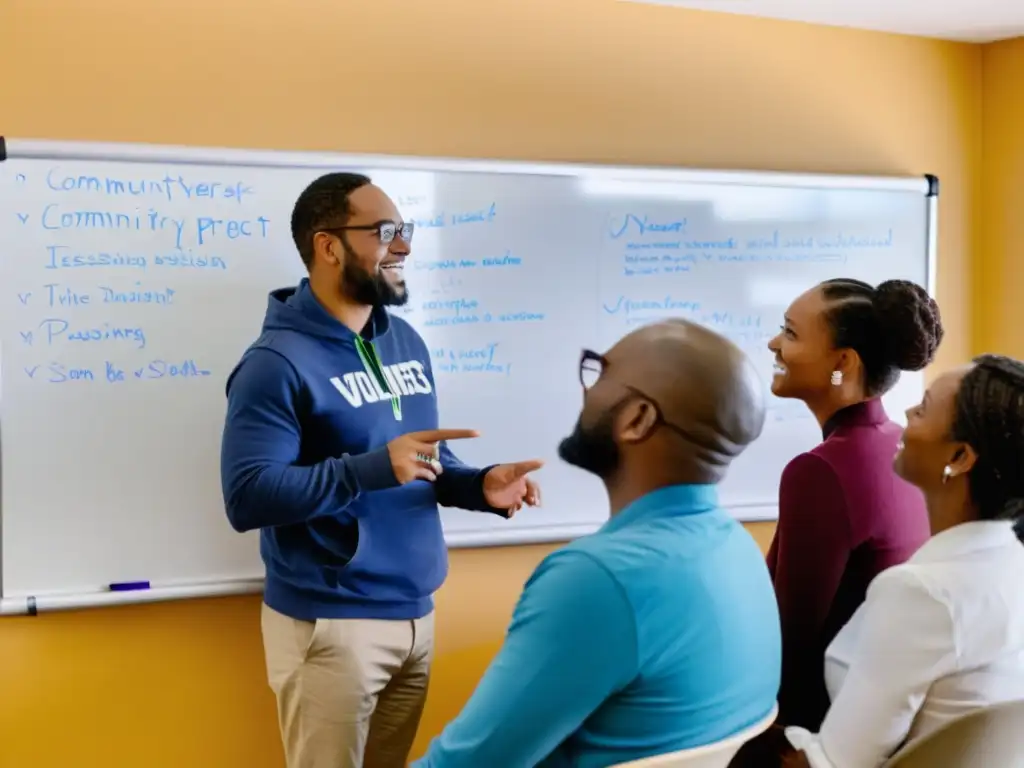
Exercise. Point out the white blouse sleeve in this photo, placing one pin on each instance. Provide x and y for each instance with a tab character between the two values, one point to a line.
907	642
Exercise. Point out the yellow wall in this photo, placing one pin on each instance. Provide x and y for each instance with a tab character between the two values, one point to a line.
998	311
181	685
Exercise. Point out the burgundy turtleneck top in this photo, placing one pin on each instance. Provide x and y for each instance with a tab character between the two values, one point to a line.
844	516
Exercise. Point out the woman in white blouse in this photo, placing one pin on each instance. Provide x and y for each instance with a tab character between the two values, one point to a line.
943	634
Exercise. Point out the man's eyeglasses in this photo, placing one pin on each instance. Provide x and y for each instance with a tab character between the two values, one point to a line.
387	231
592	367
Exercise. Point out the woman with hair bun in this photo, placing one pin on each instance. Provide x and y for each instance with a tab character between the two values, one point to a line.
844	517
942	635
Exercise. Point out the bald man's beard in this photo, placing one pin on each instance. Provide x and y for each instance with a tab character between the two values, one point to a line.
593	448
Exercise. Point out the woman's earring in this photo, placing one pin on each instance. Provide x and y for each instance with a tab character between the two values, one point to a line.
837	378
947	473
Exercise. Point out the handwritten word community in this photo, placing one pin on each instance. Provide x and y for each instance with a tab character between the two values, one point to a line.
203	229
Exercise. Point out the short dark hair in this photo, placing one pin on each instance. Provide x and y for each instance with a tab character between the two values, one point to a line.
989	417
323	204
894	327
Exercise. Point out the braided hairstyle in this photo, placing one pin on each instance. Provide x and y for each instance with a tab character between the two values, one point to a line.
989	417
894	327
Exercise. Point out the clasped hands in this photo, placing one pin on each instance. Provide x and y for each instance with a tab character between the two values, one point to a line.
416	456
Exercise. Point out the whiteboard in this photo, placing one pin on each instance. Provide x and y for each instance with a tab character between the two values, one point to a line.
134	277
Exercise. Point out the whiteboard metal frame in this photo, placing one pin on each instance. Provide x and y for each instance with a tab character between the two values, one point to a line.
32	149
18	149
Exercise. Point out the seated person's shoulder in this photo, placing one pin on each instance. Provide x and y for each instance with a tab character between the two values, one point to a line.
575	585
819	461
615	557
578	559
863	455
901	586
577	575
813	477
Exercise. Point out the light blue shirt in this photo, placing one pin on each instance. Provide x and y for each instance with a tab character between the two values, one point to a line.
660	632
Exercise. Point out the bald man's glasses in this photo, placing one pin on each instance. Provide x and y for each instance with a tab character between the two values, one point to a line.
592	366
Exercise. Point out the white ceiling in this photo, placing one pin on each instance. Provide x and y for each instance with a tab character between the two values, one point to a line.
978	21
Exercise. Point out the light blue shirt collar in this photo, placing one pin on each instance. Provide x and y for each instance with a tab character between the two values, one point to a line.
670	501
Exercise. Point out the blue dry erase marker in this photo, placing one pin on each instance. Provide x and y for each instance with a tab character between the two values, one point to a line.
128	586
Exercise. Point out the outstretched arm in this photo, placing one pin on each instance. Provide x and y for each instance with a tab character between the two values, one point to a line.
462	486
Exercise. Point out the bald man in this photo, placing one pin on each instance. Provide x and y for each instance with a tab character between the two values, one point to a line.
659	632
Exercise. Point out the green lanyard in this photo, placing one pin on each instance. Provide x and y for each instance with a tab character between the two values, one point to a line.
374	367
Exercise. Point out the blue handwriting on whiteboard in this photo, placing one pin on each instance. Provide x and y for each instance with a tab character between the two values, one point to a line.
655	245
58	373
744	329
777	240
645	226
733	320
57	330
507	259
479	216
641	264
137	295
62	257
629	306
62	296
162	369
783	257
169	187
469	360
149	221
456	306
434	265
468	312
208	228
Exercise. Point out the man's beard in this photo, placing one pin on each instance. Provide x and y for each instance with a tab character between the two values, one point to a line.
371	290
593	448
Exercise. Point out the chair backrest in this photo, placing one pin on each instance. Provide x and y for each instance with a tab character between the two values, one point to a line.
993	736
717	755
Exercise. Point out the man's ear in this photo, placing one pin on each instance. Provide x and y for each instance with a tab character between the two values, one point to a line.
328	247
636	421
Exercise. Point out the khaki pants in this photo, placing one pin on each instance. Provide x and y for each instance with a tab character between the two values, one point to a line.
350	692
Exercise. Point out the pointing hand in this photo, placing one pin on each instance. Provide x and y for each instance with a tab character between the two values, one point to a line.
414	456
507	486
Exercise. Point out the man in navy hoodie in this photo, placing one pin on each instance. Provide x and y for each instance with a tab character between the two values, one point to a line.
332	449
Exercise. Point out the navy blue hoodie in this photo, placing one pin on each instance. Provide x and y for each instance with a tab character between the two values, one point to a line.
304	458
